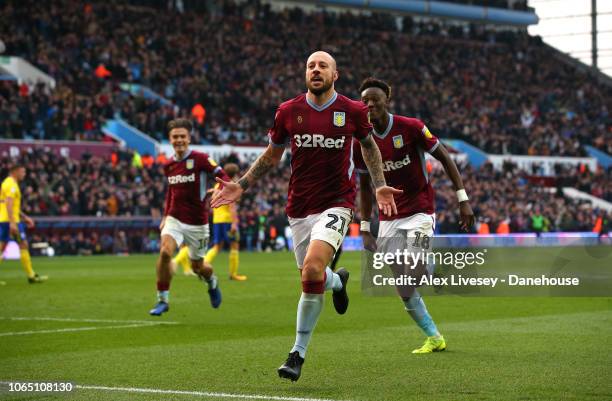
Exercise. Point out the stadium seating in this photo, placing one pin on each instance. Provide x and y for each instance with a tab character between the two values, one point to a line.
510	197
504	92
501	91
119	188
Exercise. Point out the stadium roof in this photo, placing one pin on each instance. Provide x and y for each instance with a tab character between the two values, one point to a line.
444	9
581	29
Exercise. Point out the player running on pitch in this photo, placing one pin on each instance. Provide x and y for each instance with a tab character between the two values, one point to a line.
185	213
320	126
225	231
11	224
402	141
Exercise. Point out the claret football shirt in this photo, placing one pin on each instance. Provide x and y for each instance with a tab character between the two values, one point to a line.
322	167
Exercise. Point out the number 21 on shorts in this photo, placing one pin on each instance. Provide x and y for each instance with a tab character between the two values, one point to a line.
332	223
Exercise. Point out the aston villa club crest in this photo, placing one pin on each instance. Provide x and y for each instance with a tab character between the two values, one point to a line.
339	118
189	164
398	141
300	119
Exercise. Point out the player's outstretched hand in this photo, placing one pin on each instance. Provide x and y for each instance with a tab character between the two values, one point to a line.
230	192
384	198
466	220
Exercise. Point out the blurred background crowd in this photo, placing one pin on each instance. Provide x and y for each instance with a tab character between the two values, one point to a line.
231	64
227	65
121	186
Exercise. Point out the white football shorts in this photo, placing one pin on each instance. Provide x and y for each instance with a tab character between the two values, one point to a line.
195	237
330	226
421	222
415	231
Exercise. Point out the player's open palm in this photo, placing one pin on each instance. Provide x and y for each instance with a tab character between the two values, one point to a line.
384	198
230	192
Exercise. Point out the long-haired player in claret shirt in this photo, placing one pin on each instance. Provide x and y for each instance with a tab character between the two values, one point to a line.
320	126
402	142
186	213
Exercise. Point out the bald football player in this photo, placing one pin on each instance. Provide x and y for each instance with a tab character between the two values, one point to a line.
319	125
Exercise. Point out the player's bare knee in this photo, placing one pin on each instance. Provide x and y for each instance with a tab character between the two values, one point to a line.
165	253
167	248
313	269
197	265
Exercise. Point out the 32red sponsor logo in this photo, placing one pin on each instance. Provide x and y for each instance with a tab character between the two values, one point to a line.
318	141
390	165
181	179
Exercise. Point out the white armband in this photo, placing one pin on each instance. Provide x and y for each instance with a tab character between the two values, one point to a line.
462	195
365	226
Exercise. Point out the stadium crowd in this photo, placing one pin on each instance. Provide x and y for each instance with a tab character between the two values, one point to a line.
38	113
503	91
509	201
60	186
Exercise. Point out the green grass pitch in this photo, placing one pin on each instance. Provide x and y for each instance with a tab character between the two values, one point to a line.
499	348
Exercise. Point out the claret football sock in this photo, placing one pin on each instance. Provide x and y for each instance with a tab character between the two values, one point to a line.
163	291
308	312
417	310
332	280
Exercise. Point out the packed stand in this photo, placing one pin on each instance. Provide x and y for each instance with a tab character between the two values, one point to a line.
92	186
36	112
510	201
125	186
505	92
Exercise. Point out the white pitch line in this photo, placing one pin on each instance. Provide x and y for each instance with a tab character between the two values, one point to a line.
62	319
200	393
23	333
